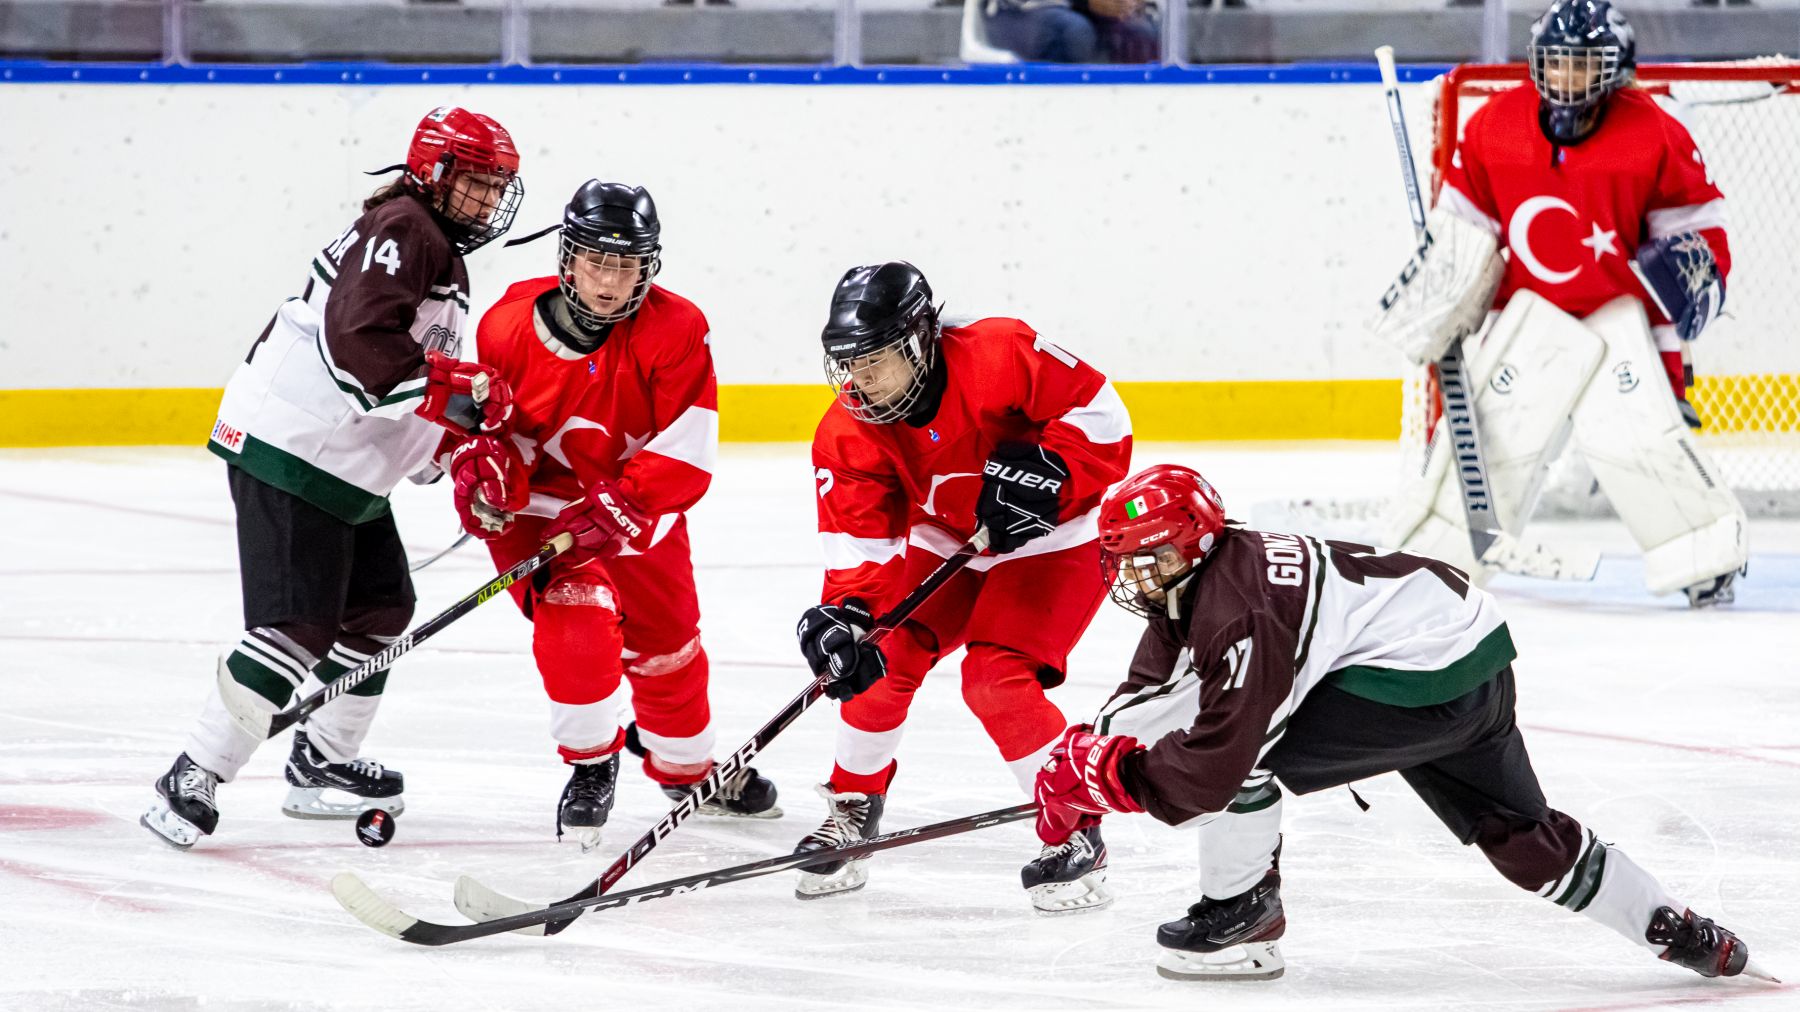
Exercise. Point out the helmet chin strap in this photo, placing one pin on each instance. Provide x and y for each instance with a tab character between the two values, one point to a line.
1172	594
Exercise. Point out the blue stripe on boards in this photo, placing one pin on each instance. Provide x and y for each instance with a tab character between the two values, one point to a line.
42	72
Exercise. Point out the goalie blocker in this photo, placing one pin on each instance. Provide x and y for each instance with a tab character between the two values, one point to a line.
1542	378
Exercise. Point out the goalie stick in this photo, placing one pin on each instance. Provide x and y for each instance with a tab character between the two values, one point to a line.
480	903
1460	426
245	706
369	908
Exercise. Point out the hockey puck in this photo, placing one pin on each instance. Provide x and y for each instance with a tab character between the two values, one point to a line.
375	827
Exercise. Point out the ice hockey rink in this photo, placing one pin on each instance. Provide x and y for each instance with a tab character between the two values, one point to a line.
1673	734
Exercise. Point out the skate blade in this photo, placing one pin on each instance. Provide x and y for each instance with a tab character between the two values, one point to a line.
310	803
1758	973
170	828
848	879
588	837
1088	892
1250	961
713	811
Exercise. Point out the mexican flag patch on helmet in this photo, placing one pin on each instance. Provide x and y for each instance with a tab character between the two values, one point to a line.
1136	508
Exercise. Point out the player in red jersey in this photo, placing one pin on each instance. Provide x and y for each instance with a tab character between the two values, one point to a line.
1616	254
938	431
616	415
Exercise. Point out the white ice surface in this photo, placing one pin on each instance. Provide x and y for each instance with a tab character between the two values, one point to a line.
1675	735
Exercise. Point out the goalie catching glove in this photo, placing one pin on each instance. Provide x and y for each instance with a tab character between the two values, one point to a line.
1444	292
1081	782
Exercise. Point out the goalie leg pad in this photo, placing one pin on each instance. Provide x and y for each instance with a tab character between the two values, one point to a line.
1662	484
1529	373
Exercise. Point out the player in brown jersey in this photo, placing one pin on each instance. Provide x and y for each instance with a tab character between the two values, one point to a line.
1275	657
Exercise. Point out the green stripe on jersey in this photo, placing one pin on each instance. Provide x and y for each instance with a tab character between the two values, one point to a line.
1400	687
275	466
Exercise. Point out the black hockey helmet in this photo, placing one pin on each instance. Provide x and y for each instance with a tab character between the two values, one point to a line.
882	337
609	227
1581	52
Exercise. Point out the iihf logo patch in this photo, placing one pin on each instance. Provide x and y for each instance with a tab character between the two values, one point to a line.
933	433
592	367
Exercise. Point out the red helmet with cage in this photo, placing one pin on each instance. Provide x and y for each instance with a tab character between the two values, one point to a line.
452	141
1154	528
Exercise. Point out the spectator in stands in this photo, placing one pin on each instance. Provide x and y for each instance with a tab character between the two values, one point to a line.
1075	31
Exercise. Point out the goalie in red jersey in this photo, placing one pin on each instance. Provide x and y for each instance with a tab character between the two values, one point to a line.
617	417
939	430
1615	256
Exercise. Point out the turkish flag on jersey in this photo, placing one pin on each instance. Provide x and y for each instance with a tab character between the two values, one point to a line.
1572	218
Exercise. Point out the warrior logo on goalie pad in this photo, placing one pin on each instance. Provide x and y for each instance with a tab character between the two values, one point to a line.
1504	378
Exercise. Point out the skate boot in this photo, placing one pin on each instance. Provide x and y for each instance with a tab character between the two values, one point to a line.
852	818
1231	939
587	800
1719	590
1070	876
745	794
184	809
1700	945
310	775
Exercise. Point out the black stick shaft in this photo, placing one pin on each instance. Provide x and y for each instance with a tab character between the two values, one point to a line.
362	672
428	933
729	767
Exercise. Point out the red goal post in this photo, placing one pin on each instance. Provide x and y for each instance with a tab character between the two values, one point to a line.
1745	119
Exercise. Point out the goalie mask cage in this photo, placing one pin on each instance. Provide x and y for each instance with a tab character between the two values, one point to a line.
1745	118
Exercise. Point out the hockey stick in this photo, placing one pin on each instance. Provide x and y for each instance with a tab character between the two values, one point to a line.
480	903
461	540
246	707
1453	379
377	913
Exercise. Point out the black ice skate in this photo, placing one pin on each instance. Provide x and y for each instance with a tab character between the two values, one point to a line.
1719	590
184	809
745	794
851	818
587	800
1070	876
311	775
1700	945
1230	939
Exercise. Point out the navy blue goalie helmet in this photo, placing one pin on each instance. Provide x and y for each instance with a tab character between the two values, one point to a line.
1581	52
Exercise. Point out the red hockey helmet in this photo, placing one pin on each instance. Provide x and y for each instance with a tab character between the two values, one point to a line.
1155	528
451	142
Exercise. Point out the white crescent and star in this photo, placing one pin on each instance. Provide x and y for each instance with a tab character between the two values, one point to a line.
1518	237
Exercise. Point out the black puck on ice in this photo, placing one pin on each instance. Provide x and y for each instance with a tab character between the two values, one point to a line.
375	827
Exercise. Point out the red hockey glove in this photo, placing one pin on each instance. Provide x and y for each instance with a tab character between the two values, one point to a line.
465	396
490	485
603	521
1080	783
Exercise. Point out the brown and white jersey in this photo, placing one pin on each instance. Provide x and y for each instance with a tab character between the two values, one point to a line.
323	406
1267	619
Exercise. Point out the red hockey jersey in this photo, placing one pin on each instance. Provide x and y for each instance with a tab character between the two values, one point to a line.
883	488
1572	218
640	411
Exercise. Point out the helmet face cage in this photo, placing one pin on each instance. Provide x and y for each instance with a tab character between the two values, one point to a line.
479	220
1576	77
914	348
647	266
1140	582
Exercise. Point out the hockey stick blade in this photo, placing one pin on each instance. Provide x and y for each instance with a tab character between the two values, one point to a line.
481	899
243	705
366	906
479	903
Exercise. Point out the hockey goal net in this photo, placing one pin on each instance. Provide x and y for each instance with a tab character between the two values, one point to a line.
1745	117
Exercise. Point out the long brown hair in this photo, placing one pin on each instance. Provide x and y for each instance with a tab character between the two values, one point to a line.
392	191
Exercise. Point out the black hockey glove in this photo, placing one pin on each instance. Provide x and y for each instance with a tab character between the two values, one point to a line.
1021	492
831	641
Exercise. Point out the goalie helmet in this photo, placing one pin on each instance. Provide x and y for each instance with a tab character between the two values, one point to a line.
1581	52
1155	527
881	340
611	249
468	169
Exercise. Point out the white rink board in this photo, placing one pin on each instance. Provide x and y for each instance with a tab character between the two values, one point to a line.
1171	226
1673	734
